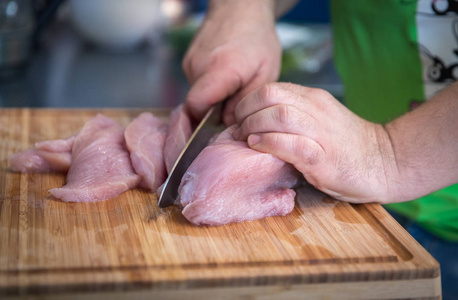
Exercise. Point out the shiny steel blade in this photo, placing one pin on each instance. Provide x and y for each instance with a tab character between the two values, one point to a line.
207	128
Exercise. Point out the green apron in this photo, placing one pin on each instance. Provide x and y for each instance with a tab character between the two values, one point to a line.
378	56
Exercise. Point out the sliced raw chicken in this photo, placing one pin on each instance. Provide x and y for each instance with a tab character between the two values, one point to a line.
40	161
48	156
101	167
145	138
229	182
180	130
56	145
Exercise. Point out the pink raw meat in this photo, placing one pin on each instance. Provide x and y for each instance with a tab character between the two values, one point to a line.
48	156
40	161
229	182
56	145
145	137
180	130
101	167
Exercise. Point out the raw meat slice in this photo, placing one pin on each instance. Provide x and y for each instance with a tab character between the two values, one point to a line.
47	156
180	130
101	167
56	145
145	137
229	182
40	161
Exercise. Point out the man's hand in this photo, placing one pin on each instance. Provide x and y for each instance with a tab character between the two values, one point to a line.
235	51
339	153
350	158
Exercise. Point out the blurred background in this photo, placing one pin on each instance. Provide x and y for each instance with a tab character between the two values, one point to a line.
117	53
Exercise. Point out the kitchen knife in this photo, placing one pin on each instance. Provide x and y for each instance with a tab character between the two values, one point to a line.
207	128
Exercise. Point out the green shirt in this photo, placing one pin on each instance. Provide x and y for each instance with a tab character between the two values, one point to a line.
393	55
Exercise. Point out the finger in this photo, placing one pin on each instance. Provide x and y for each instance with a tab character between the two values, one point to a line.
228	115
297	150
261	77
269	95
278	118
211	88
185	66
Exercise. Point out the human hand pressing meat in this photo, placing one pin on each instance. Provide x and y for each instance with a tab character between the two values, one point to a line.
346	156
337	152
235	51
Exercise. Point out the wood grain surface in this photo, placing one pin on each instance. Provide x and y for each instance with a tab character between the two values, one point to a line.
128	247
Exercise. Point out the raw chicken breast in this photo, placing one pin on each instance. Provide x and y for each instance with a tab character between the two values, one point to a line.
40	161
101	167
145	138
229	182
180	130
48	156
56	145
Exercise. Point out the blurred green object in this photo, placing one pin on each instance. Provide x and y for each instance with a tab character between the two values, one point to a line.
288	62
306	47
180	38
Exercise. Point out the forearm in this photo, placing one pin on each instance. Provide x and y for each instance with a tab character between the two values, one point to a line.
423	148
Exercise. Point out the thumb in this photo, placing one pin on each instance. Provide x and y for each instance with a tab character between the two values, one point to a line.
209	89
298	150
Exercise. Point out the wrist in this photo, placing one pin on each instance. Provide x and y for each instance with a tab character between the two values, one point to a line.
404	176
242	8
390	178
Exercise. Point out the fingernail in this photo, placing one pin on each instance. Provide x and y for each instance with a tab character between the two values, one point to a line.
253	139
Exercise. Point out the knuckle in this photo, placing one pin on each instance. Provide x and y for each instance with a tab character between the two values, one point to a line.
263	93
267	93
195	65
321	93
189	67
322	98
285	115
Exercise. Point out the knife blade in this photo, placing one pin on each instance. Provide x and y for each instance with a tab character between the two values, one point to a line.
207	128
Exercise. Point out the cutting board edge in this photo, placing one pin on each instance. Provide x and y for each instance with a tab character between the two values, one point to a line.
407	288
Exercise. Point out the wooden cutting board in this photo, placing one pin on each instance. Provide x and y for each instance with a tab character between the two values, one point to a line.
127	247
